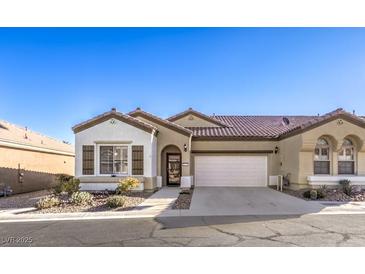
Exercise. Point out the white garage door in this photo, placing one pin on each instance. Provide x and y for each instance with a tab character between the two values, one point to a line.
231	171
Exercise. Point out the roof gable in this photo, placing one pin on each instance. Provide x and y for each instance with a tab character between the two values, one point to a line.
191	112
116	115
162	122
324	119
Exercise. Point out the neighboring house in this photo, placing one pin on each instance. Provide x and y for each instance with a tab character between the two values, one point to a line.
29	160
219	150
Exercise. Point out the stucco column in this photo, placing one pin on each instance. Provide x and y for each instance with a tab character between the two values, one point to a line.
185	163
334	163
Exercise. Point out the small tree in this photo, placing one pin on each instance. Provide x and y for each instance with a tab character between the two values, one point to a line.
126	185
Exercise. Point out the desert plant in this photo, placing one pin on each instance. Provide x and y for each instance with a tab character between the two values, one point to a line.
127	185
66	183
71	186
347	188
322	192
306	194
61	178
115	201
81	198
48	202
313	194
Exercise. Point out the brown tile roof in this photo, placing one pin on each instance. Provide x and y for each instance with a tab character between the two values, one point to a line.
235	127
164	122
113	114
318	120
268	127
17	135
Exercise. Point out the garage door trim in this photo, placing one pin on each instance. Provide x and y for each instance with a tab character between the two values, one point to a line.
231	170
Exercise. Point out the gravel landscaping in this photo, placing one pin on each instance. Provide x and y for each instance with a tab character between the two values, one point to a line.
132	200
28	200
184	200
23	200
331	194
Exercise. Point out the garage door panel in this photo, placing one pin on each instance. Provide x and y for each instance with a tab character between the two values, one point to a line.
231	170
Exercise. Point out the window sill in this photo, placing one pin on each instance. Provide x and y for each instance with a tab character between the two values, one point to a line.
335	179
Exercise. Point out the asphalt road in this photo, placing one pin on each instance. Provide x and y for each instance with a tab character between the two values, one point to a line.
308	230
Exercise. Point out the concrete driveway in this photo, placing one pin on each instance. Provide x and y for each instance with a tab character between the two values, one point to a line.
209	201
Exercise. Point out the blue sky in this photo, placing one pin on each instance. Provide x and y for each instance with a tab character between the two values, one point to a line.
53	78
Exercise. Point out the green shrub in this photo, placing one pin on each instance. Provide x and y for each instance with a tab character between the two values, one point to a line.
346	187
307	194
313	194
48	202
322	192
62	178
127	185
115	201
71	186
81	198
67	184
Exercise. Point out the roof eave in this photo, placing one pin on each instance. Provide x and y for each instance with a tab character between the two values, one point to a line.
198	114
117	115
160	121
311	125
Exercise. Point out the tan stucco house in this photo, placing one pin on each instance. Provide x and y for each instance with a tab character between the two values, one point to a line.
192	148
30	160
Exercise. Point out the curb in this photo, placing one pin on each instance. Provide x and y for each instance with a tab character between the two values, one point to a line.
177	213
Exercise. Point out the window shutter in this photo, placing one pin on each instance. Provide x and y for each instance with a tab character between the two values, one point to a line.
87	160
137	160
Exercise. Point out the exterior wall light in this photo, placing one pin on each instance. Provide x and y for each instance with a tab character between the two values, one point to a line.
185	148
276	150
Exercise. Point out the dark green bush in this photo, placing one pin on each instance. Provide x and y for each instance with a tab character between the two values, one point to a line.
321	192
71	186
313	194
346	187
66	183
307	194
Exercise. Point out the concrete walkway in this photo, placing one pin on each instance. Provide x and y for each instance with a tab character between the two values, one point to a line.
159	202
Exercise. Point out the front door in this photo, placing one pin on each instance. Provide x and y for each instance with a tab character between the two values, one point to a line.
173	169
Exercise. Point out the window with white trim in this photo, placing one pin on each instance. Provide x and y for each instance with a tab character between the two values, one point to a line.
322	157
346	158
113	160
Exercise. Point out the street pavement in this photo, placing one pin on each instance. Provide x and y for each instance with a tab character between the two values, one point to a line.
283	230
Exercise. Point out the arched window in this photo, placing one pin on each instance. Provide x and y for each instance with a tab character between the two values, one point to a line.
322	157
346	158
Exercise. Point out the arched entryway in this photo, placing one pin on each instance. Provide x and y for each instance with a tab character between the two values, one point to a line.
171	166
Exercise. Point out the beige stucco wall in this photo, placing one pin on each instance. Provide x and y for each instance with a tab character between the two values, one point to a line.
168	137
297	152
36	161
234	145
288	160
194	121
